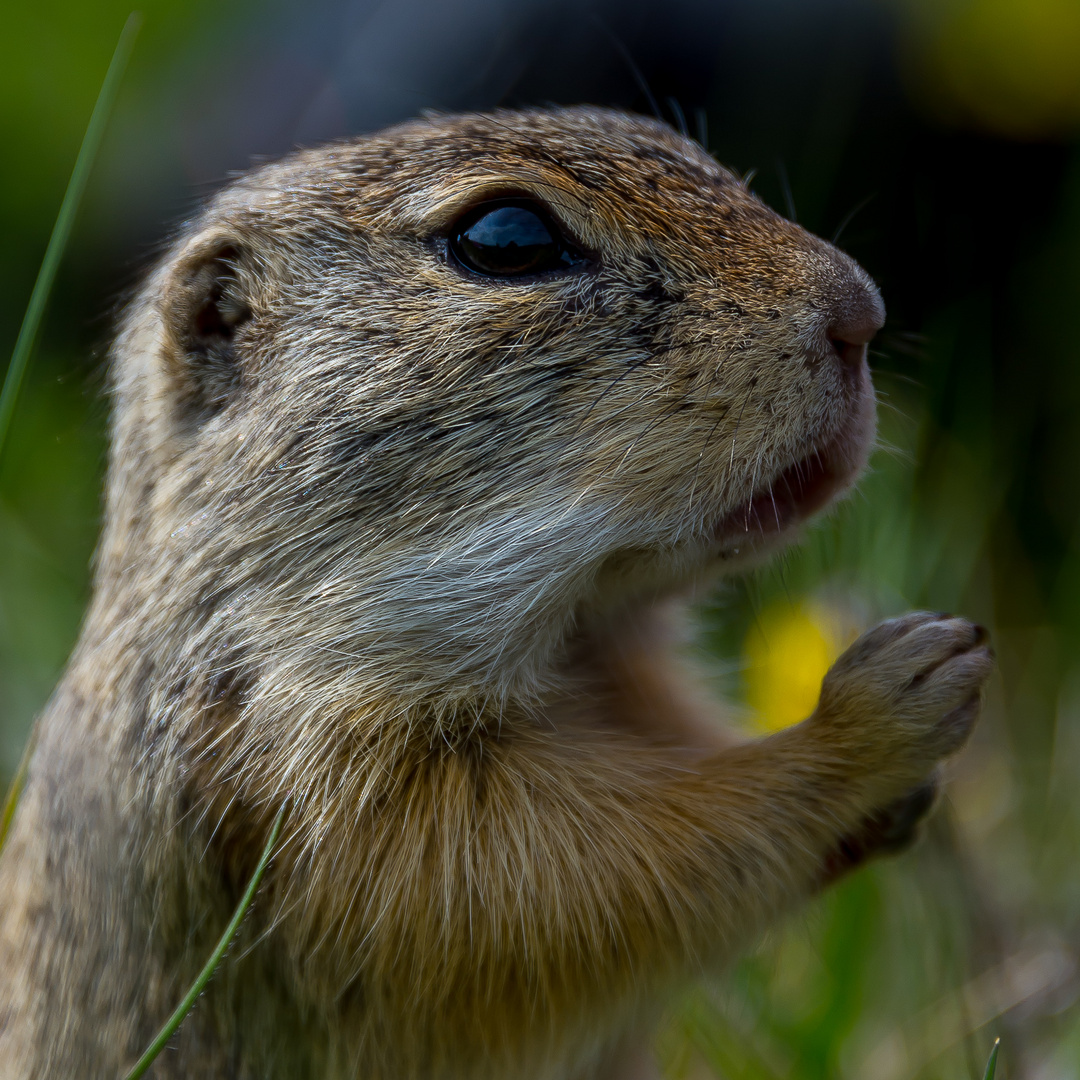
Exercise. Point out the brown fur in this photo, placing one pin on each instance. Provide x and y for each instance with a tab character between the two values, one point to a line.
383	542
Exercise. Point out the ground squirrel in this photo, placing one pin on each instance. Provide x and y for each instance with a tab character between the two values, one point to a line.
412	436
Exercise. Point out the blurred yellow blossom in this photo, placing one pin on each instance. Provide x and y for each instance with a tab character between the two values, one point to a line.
789	648
1012	66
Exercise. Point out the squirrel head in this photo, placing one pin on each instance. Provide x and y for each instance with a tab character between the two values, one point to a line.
406	409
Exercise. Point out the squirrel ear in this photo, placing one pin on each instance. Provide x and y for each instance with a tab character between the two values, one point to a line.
219	310
204	314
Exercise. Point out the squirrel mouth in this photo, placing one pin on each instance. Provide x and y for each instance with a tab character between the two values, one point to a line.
799	491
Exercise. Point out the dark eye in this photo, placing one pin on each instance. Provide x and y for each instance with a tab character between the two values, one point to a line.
510	238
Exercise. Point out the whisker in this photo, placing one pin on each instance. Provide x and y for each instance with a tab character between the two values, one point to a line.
785	187
738	423
680	117
628	59
850	215
701	120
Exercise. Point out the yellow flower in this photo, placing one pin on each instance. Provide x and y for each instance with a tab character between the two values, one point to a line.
1012	66
786	653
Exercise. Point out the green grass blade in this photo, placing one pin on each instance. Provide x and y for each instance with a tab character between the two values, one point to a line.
14	792
991	1065
54	252
199	985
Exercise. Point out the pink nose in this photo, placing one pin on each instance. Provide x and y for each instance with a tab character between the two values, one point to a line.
858	314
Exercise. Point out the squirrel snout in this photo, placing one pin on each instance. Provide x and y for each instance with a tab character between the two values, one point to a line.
857	315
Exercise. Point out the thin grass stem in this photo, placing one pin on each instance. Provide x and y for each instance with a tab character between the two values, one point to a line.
991	1065
204	977
12	799
61	231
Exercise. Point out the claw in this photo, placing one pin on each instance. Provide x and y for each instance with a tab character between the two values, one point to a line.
887	832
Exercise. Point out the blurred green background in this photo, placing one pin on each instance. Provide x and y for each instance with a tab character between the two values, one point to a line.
941	138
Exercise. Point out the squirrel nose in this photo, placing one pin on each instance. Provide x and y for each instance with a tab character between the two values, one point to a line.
858	314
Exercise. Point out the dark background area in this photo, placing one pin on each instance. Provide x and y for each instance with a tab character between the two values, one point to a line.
940	140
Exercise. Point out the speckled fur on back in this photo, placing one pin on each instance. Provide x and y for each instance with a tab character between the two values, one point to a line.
386	541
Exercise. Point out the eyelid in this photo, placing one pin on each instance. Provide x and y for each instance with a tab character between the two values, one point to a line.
480	210
565	232
443	214
566	252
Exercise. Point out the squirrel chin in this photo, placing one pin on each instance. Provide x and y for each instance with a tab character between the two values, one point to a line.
803	489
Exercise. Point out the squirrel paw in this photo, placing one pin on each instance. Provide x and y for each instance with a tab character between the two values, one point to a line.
908	693
886	832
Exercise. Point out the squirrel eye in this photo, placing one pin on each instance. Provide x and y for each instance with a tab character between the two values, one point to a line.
510	238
